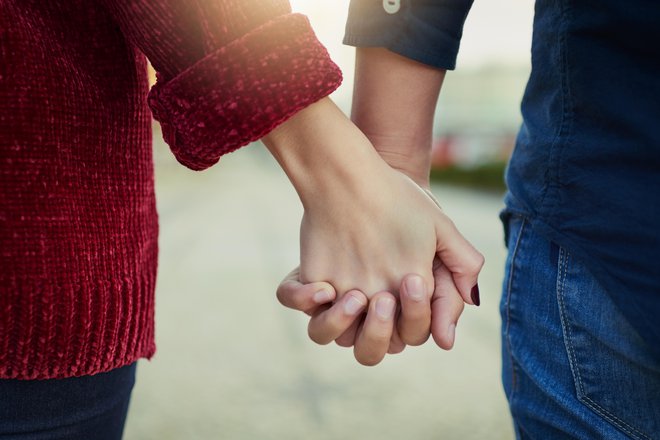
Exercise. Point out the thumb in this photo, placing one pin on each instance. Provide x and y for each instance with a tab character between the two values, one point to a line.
460	257
304	297
456	253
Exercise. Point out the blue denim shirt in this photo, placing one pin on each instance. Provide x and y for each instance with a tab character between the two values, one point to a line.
586	166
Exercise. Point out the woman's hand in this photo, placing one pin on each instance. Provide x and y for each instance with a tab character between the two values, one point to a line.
365	225
368	235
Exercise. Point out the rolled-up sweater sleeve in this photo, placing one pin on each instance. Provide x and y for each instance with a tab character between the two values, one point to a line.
428	31
228	71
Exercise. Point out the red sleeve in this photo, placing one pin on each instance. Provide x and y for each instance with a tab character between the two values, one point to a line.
229	71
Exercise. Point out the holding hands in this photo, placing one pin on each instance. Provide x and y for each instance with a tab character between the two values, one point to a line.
372	239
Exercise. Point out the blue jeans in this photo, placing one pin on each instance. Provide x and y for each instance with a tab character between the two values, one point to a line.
79	408
573	367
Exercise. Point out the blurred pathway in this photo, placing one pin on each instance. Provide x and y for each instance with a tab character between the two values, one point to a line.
234	364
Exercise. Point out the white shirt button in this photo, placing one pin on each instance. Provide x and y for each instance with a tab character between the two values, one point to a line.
391	6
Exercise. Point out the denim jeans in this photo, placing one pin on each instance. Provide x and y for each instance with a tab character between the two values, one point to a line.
573	367
79	408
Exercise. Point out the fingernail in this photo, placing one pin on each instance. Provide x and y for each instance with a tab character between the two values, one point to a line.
474	294
352	305
415	288
322	297
451	332
385	308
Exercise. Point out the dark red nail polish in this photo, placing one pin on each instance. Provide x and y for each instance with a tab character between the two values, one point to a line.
474	294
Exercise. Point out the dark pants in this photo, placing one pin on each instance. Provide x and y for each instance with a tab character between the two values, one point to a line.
78	408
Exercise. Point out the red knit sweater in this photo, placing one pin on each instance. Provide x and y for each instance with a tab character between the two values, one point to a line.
78	222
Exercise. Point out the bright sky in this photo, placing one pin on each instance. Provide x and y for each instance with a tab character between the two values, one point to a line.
496	31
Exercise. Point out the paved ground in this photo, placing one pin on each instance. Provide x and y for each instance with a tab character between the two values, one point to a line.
233	364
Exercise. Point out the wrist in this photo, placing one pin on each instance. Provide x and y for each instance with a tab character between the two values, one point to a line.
394	103
322	152
404	155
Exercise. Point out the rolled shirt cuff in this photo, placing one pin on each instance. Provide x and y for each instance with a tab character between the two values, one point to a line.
426	31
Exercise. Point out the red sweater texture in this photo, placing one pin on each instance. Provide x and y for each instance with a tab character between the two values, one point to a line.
78	221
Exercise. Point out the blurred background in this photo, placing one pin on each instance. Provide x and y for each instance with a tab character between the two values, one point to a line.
234	364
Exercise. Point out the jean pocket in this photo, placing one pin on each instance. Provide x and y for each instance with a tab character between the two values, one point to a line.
615	373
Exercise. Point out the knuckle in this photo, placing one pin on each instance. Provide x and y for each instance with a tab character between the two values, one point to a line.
368	360
415	332
347	338
282	296
318	336
476	263
481	260
449	227
445	345
396	348
415	340
318	339
342	342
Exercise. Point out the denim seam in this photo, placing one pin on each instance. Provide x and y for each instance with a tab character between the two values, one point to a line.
523	433
508	304
572	359
548	204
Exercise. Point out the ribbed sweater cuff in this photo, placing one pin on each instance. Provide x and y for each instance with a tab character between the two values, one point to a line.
53	330
240	92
